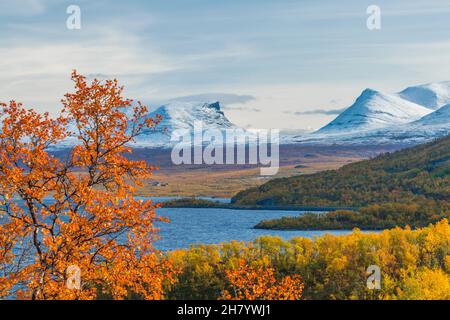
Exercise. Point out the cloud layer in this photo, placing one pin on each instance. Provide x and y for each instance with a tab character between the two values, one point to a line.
328	112
264	62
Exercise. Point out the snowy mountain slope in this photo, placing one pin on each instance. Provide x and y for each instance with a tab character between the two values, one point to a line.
182	116
439	117
374	110
405	135
431	95
432	126
375	118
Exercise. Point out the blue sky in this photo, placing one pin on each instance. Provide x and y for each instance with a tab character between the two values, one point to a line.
283	64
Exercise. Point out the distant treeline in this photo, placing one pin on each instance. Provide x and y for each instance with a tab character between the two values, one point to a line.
202	203
192	203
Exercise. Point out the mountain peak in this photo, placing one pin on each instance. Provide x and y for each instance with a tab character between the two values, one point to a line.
373	110
182	115
214	105
179	115
368	92
368	95
431	95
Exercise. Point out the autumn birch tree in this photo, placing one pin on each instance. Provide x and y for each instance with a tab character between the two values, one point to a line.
75	209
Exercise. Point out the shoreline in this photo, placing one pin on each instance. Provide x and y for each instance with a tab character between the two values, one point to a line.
205	204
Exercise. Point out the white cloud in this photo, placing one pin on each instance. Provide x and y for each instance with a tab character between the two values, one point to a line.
37	70
224	98
57	59
284	55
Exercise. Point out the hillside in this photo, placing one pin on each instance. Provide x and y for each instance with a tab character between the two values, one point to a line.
418	174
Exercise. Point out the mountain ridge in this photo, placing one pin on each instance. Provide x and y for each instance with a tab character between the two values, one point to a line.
440	116
432	95
182	116
420	129
374	110
374	118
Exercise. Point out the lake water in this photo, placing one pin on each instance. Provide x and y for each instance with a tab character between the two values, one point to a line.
190	226
209	226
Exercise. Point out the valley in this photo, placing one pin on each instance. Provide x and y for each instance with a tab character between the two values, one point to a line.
225	181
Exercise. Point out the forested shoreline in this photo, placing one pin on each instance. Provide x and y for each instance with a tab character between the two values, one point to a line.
372	217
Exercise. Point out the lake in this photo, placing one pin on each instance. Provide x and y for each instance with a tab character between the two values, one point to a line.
190	226
210	225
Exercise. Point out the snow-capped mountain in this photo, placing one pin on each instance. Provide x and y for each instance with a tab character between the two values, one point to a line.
374	110
415	115
182	116
431	95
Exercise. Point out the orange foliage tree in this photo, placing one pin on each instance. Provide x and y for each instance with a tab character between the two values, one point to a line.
77	210
259	283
